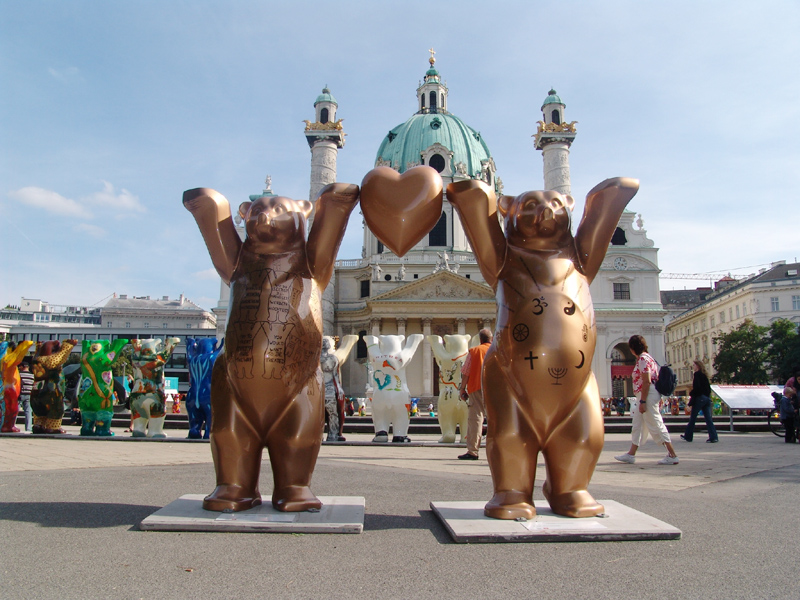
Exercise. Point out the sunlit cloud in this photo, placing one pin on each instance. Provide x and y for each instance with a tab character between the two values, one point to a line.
90	230
123	201
50	201
206	275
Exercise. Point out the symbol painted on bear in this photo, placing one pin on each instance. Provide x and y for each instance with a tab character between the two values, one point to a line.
386	381
585	331
538	305
570	310
557	373
531	358
520	332
583	360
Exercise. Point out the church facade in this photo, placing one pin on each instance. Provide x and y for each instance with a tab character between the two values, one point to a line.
437	287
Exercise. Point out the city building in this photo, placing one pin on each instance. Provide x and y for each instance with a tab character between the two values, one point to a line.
763	298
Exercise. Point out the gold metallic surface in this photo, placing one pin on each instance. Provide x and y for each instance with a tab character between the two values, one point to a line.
266	388
329	126
539	391
401	209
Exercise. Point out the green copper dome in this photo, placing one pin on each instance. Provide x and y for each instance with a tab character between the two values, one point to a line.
552	98
405	144
326	96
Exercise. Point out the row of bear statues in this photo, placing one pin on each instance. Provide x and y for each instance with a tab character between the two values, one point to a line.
268	390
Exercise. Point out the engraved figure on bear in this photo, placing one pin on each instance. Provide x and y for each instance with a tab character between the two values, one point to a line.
148	398
96	394
47	395
390	399
200	356
10	359
539	391
450	357
267	386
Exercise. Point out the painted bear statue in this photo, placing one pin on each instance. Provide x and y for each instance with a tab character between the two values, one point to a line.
47	395
389	358
450	356
148	398
96	395
201	353
539	390
266	387
330	361
9	364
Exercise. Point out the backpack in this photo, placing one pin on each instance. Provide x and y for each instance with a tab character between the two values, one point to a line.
667	380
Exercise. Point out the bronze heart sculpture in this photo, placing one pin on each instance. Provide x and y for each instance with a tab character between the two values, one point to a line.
401	209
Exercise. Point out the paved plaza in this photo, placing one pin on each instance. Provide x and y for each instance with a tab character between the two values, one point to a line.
70	508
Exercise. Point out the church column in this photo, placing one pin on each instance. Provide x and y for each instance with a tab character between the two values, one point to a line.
554	138
461	325
401	325
375	326
427	367
487	323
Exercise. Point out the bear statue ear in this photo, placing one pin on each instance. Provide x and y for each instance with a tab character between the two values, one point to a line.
244	207
569	202
305	207
504	204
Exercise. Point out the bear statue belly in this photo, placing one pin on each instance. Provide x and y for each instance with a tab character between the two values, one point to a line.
274	334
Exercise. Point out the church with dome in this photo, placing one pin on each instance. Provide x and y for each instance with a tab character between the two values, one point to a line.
437	287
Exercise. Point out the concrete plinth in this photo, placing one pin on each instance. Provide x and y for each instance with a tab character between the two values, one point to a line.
339	514
467	524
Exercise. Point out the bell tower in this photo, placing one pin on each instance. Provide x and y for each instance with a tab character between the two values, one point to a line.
554	137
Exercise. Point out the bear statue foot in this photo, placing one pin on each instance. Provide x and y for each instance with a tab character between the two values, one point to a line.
447	439
381	437
137	433
231	498
401	439
194	434
578	504
55	431
37	429
510	505
295	499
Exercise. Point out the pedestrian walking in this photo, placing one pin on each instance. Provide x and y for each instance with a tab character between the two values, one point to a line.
700	399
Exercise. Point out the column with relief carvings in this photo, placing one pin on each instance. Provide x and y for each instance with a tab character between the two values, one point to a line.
401	325
427	357
461	325
375	326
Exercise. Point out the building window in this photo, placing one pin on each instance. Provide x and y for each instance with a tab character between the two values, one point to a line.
713	321
164	325
437	162
380	247
422	100
722	316
795	302
109	324
697	347
705	346
127	324
365	288
556	118
622	291
730	314
361	345
696	326
468	277
188	326
147	325
619	239
323	115
744	309
387	277
737	311
438	235
775	302
703	326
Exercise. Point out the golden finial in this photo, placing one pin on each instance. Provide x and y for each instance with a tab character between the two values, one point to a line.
431	60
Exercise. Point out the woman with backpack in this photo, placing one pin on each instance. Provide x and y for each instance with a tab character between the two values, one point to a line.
647	413
700	399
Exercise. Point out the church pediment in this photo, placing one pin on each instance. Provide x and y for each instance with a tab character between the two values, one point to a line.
438	287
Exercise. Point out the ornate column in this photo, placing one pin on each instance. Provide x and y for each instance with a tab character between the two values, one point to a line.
461	325
487	323
401	325
375	326
427	370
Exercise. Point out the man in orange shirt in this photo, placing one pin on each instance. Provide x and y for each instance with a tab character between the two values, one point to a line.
471	392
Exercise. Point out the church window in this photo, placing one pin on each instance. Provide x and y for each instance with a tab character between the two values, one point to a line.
416	275
438	235
622	291
437	162
556	117
433	101
422	101
380	247
361	345
365	288
468	277
441	102
323	115
619	238
387	277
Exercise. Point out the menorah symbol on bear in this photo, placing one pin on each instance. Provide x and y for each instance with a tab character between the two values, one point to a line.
557	373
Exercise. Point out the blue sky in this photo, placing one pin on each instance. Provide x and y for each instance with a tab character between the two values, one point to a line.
111	109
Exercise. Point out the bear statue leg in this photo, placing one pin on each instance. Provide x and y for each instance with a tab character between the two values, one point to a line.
206	411
511	448
235	447
293	443
571	455
103	423
195	420
381	419
10	413
462	418
88	418
400	421
447	419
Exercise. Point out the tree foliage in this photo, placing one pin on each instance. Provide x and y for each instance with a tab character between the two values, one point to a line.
783	350
742	355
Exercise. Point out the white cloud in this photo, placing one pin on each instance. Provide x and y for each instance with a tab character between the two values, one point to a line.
50	201
124	201
90	230
208	274
66	74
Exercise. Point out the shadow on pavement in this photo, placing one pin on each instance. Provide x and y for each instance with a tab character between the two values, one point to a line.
79	515
426	520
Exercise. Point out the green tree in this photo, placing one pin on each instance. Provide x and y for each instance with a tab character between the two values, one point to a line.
742	355
123	366
783	350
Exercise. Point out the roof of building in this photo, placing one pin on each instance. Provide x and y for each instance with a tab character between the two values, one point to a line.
146	303
326	96
552	98
684	299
